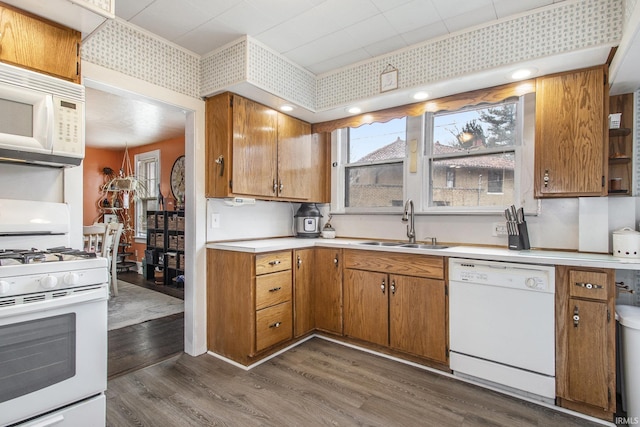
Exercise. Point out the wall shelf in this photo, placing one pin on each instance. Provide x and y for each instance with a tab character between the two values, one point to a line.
621	145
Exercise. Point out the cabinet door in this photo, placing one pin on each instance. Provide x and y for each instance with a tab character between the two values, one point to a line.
219	132
588	361
328	289
366	306
294	158
570	134
303	305
255	131
417	316
45	46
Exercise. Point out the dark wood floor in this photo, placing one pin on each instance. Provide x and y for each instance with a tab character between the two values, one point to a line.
316	383
137	346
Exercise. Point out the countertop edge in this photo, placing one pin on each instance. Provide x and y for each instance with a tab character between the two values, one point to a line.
470	252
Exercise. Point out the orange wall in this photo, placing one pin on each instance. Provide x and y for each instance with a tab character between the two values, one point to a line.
96	159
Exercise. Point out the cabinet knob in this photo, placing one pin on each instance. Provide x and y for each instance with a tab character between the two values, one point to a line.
546	178
588	285
335	261
275	325
220	161
274	262
383	286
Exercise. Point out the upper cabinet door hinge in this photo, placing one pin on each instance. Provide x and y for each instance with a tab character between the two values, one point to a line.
230	184
608	315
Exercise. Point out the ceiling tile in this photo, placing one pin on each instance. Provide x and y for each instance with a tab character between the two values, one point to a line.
427	32
372	30
128	9
245	18
325	47
412	15
386	46
470	19
505	8
212	33
169	19
450	8
339	61
385	5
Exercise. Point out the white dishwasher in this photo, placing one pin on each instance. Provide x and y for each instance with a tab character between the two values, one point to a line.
501	325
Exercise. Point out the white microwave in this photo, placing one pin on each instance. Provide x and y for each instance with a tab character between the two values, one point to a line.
41	118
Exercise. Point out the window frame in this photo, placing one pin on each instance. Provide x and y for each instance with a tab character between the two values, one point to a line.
516	149
342	154
141	203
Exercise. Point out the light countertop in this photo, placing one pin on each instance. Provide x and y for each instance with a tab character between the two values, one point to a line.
534	256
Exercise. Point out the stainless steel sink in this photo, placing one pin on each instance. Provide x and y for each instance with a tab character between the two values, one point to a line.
376	243
421	246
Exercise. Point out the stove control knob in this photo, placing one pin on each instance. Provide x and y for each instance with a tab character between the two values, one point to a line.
5	287
71	279
49	282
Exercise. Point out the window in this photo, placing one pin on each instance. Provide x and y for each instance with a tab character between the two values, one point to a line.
148	174
374	170
472	156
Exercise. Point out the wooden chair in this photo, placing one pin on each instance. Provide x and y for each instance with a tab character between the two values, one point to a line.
93	237
110	251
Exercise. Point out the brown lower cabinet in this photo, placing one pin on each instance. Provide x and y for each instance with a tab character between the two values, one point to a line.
397	301
328	290
585	340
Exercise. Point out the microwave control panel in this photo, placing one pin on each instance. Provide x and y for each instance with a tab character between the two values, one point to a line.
69	131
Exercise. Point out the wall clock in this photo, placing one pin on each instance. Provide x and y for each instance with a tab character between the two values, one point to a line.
177	180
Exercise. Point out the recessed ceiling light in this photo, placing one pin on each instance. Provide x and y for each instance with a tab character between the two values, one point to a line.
523	73
354	110
419	96
286	107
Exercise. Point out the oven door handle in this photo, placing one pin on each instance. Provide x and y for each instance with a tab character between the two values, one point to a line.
90	295
49	421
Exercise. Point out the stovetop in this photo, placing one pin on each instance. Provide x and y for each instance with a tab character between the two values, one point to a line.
34	256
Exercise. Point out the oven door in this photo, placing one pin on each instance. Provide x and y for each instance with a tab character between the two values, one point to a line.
52	353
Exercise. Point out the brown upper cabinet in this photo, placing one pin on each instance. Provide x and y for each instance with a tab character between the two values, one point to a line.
29	41
253	150
571	134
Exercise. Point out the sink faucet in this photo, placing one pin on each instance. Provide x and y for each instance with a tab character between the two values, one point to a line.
408	216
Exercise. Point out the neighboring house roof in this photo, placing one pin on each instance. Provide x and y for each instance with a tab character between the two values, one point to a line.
395	150
484	162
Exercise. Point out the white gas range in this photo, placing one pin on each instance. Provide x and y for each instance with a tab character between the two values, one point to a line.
53	321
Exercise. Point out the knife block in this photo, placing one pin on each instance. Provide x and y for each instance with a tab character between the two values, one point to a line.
520	241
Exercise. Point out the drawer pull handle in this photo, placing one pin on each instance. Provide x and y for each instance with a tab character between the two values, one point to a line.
276	262
588	285
576	316
383	286
275	289
275	325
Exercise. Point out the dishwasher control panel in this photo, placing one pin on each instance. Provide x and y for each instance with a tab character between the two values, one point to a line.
531	277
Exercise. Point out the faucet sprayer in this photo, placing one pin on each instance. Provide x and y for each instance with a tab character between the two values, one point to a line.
408	216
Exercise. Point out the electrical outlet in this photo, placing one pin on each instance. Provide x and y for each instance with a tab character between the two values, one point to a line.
215	220
499	229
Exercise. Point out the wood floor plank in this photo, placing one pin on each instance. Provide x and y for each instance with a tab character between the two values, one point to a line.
315	384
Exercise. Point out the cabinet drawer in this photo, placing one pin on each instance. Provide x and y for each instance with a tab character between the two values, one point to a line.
273	325
272	262
395	263
588	284
272	289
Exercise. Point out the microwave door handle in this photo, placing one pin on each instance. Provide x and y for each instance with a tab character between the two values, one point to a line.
50	124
